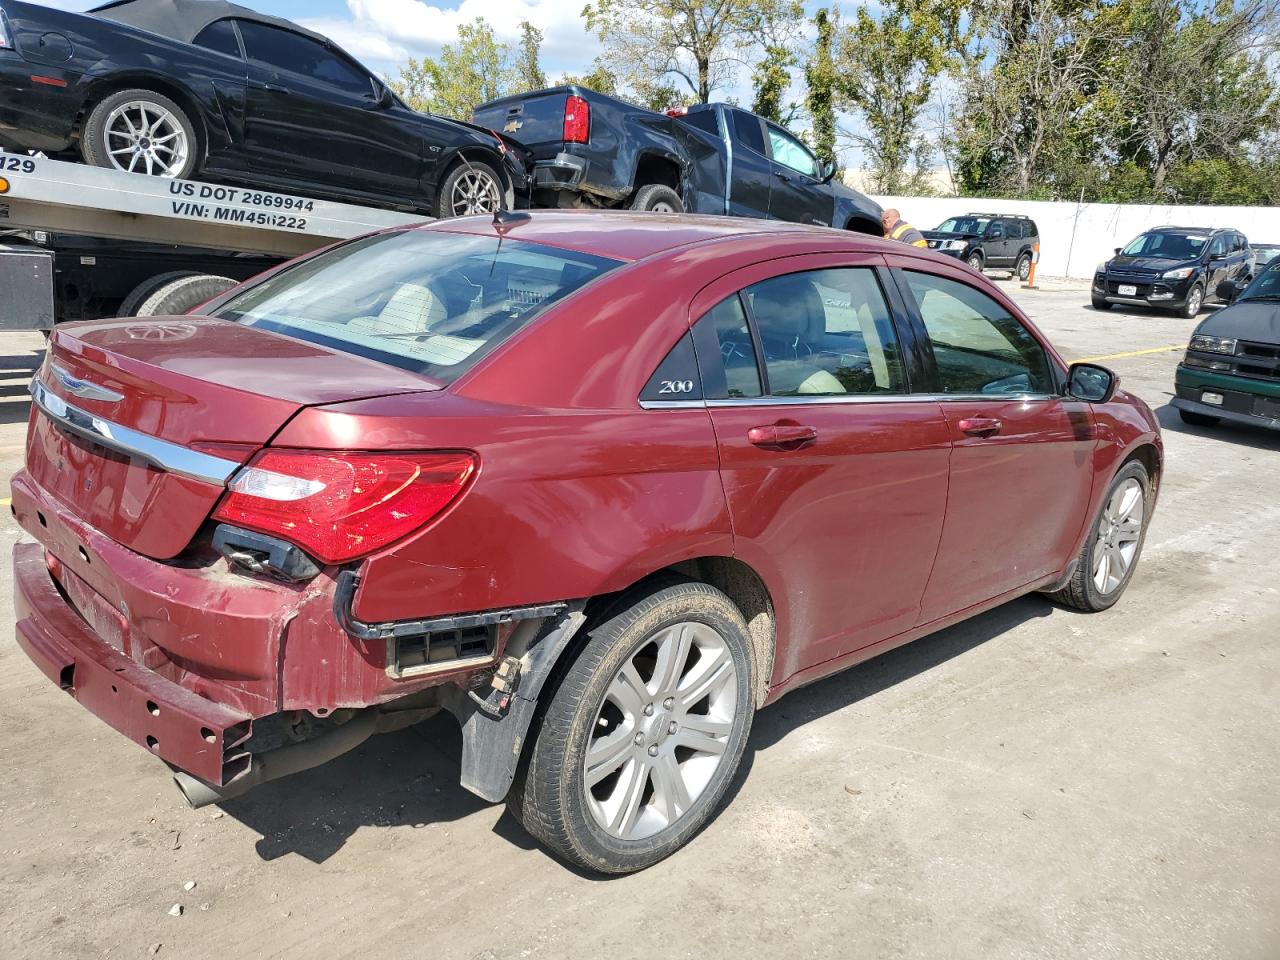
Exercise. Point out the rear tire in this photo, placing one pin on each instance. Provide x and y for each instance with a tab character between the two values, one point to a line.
1024	267
628	716
657	198
130	304
1114	543
140	131
1100	304
471	188
1198	419
183	295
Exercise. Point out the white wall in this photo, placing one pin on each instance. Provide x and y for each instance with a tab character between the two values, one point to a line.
1098	228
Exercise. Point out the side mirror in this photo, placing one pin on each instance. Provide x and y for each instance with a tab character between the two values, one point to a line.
1091	383
383	99
1118	249
827	171
1228	290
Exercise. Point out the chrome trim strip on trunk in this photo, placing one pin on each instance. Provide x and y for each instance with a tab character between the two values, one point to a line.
167	456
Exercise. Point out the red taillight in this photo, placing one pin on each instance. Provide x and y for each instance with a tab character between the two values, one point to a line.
577	120
339	506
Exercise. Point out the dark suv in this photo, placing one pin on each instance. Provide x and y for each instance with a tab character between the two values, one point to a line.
988	241
1173	268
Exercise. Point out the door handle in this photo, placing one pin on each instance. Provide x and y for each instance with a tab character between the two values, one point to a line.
782	436
980	426
782	176
271	88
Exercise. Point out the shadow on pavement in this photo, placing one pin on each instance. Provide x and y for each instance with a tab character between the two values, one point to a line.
1239	434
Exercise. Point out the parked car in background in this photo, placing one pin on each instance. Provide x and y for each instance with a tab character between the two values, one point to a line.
988	241
1263	254
593	150
1173	268
1232	367
209	89
599	489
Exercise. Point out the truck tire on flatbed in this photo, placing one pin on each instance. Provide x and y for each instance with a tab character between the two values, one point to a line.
140	131
182	295
657	198
143	291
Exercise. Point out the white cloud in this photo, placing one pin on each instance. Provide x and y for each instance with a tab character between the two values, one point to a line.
384	32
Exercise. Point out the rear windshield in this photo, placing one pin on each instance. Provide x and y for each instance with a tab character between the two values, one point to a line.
427	301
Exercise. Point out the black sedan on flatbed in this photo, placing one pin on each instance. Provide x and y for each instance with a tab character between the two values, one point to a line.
209	89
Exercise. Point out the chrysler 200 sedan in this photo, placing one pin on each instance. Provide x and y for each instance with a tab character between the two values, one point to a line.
600	485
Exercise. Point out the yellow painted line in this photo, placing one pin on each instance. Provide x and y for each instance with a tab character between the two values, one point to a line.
5	501
1134	353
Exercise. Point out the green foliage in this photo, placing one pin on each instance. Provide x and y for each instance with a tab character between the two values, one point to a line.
601	79
771	80
820	82
468	73
528	71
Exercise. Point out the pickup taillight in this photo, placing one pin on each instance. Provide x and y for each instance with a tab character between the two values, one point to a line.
577	120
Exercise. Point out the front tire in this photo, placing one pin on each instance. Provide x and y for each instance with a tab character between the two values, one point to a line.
657	198
139	131
1195	300
1114	544
644	733
1099	304
975	261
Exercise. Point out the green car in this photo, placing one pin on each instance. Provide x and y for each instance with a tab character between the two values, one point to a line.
1232	367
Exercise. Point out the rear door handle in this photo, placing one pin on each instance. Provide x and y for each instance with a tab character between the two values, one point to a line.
980	426
782	436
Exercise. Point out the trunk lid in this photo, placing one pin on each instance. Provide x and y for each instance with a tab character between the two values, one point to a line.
536	120
140	422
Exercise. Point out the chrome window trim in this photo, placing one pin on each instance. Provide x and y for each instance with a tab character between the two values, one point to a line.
854	398
167	456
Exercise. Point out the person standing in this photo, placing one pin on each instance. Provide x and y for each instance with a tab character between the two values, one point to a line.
895	228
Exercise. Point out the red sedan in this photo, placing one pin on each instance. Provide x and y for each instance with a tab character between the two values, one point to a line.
599	485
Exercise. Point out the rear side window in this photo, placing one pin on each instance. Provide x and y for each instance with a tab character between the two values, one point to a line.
219	36
826	332
429	302
302	55
979	348
704	120
723	329
747	129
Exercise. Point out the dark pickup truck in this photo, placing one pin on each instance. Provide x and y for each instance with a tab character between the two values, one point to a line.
592	150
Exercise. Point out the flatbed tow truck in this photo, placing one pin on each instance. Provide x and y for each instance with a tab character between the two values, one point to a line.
80	242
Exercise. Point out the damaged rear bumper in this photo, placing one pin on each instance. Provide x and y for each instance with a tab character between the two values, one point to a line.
169	720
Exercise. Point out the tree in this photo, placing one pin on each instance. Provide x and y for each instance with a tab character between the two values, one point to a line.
528	71
820	85
601	79
699	42
468	72
772	79
886	69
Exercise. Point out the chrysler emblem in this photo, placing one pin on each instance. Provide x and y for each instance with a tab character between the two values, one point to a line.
83	388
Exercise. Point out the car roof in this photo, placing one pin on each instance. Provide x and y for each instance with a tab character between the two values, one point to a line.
183	20
623	235
1172	229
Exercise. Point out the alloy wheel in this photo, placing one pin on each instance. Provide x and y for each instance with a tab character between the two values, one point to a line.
661	731
1194	301
475	192
1119	530
143	137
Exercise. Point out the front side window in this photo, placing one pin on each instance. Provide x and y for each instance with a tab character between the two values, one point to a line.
978	346
425	301
790	152
302	55
219	36
1219	246
826	332
996	232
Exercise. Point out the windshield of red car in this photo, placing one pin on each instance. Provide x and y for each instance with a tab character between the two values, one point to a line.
427	301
